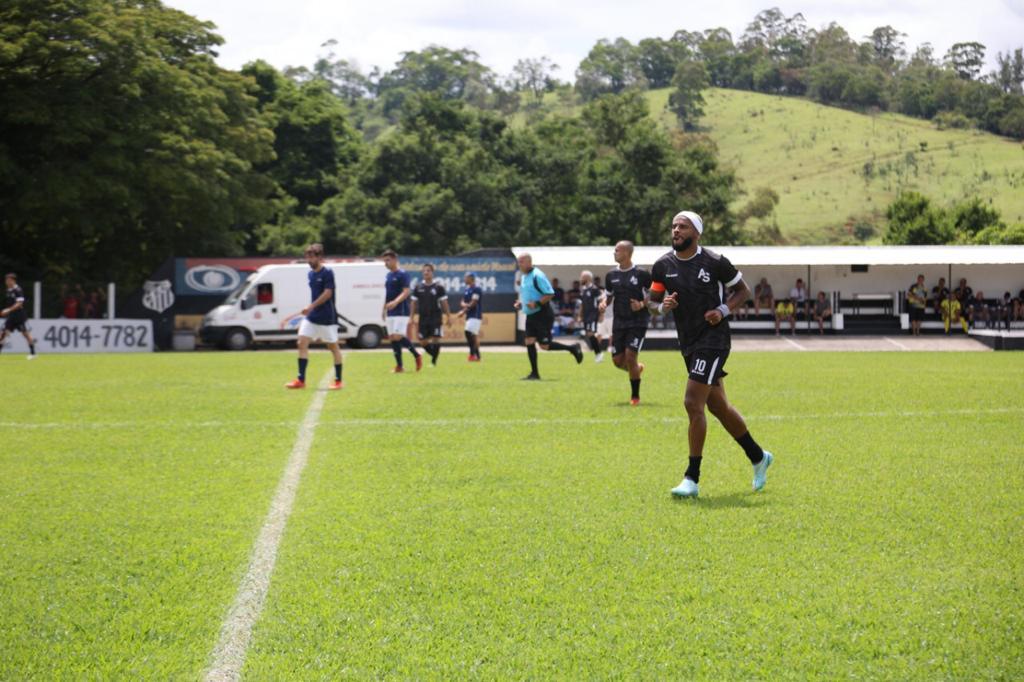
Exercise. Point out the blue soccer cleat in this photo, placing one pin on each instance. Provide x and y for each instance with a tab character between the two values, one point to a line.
685	489
761	471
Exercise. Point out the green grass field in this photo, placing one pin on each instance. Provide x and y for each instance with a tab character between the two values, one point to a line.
460	523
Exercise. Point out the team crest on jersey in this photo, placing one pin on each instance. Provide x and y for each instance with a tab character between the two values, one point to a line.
703	276
158	296
633	280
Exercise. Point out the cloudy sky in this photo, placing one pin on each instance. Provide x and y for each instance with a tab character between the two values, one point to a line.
376	32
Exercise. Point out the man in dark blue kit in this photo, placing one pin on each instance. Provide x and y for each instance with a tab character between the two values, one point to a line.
691	282
320	319
472	307
396	310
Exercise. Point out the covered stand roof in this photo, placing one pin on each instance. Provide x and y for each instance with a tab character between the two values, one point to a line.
791	255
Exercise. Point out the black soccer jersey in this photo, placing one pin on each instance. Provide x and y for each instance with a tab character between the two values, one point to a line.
624	285
428	302
13	296
590	297
701	282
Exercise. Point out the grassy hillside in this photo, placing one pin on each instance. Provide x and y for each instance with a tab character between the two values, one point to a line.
832	167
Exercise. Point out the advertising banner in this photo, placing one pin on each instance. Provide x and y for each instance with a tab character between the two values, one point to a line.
85	336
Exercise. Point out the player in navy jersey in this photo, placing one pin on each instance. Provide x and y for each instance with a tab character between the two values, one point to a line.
429	300
396	310
589	314
320	319
691	282
625	289
472	308
14	314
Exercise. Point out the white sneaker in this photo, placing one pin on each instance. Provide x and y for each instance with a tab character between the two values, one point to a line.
599	357
30	357
685	489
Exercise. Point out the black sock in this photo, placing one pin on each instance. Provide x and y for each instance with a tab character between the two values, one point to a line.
302	368
634	384
754	452
531	350
604	345
592	342
469	342
406	343
396	348
32	346
476	348
693	469
337	371
434	349
555	345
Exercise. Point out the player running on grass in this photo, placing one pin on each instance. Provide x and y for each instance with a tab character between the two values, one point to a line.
535	294
589	313
396	310
691	282
321	319
472	307
624	288
15	317
429	300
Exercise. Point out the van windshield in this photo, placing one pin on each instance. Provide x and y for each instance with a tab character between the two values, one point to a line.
237	293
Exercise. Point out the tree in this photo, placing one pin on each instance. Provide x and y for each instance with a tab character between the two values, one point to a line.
913	220
966	59
121	140
888	48
609	68
658	59
436	70
686	100
534	75
1009	74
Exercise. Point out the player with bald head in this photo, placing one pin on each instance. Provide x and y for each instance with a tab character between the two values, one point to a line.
691	282
625	290
535	294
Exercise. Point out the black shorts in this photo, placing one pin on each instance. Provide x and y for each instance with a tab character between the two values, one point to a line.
631	338
590	326
706	365
15	324
538	325
430	329
916	314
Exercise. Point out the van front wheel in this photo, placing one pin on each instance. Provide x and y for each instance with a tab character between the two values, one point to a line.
237	339
369	336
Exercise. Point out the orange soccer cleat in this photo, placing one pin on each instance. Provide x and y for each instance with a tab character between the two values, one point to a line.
295	383
335	385
398	370
634	401
419	362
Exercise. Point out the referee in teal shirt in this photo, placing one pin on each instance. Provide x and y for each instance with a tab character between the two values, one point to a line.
535	292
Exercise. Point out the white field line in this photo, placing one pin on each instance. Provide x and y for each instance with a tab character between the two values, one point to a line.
236	631
794	343
896	343
475	421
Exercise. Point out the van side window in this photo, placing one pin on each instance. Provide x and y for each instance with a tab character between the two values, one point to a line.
264	293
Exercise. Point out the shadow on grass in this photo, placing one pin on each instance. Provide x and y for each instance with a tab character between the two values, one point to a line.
737	500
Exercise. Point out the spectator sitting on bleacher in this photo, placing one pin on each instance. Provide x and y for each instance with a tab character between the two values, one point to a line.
939	294
917	299
822	311
964	293
763	297
1004	310
978	311
952	312
1018	306
784	310
801	301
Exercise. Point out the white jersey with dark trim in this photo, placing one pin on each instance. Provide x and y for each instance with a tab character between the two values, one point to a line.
702	283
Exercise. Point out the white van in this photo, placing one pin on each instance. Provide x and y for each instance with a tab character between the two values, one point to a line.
268	305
